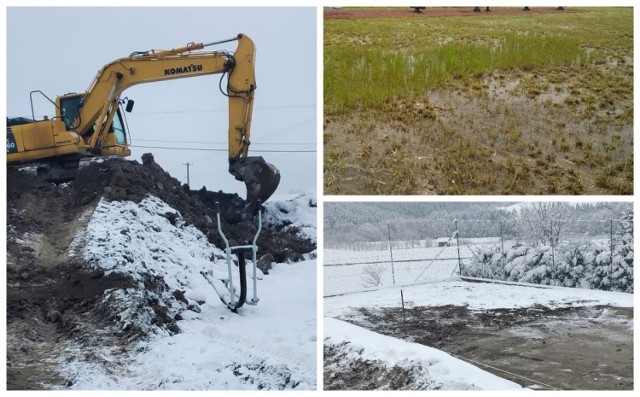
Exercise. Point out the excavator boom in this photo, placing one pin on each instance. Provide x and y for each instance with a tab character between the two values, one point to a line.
90	123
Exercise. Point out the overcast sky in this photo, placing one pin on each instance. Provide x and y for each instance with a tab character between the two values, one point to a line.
60	50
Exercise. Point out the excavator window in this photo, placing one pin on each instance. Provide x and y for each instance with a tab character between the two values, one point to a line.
70	109
117	127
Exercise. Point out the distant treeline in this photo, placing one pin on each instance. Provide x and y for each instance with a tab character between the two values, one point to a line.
419	222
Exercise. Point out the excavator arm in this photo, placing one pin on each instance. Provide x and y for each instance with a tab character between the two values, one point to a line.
98	106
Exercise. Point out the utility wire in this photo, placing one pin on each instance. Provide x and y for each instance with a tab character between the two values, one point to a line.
282	130
223	110
224	143
287	128
221	150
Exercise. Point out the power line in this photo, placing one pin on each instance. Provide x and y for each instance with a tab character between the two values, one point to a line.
288	128
221	150
222	110
223	143
281	130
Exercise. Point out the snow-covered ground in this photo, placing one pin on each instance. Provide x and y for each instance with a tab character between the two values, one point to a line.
476	296
298	211
268	346
433	367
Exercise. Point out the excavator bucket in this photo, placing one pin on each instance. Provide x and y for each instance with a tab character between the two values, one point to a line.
260	177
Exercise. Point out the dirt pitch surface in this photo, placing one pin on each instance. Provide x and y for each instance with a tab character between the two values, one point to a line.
343	13
53	298
572	348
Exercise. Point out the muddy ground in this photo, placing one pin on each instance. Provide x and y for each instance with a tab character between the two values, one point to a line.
439	155
573	348
540	127
52	299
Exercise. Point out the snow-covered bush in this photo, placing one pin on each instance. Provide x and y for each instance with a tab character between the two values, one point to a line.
584	265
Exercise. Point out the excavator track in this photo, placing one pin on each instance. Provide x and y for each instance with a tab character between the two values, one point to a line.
58	169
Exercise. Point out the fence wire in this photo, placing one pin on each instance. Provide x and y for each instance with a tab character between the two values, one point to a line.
411	253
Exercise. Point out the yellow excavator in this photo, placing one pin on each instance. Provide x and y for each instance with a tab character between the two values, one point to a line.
91	124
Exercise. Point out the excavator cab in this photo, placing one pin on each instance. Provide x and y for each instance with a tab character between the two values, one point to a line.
115	142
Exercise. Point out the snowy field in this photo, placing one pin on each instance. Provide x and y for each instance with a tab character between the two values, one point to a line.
476	296
432	368
268	346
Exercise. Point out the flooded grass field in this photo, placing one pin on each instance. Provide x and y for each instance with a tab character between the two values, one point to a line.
519	103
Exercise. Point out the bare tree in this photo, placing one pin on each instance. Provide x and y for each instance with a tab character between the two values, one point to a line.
545	222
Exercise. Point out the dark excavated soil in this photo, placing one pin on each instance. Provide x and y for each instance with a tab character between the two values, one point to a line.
568	348
52	298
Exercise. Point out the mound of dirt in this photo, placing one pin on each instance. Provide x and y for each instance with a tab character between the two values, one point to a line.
53	297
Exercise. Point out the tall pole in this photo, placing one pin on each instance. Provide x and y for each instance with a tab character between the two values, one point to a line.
393	273
503	255
501	239
553	263
611	240
188	181
458	245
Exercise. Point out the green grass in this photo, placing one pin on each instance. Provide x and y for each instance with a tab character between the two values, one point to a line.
369	77
502	104
368	62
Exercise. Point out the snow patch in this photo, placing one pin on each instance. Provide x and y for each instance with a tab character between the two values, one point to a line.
476	296
299	211
268	346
